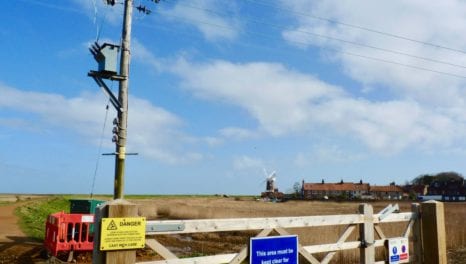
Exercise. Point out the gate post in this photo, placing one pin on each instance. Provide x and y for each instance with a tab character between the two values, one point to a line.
417	240
433	233
115	208
366	235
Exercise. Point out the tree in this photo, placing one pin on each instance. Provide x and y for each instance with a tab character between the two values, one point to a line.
297	189
427	179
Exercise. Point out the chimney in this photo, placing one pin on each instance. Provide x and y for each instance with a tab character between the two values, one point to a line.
323	181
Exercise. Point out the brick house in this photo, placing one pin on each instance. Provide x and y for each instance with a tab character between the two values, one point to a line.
333	190
386	192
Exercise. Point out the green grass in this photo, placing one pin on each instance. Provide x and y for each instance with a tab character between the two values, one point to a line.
32	215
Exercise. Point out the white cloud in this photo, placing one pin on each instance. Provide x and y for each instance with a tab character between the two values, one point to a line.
247	163
206	16
285	101
154	132
98	10
17	123
141	53
329	154
413	19
276	97
238	133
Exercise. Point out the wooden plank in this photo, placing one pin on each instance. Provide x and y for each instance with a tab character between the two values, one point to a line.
278	223
348	231
243	254
121	208
238	224
282	231
396	217
417	241
408	228
308	256
215	259
160	249
339	246
433	233
366	233
379	232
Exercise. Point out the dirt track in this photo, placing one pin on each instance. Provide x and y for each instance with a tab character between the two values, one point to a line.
15	247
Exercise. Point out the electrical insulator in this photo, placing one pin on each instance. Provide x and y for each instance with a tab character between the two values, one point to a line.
115	130
111	2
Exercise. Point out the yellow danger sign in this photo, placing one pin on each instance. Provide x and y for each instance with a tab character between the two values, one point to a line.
123	233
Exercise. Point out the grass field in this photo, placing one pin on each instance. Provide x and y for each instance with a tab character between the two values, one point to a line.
33	215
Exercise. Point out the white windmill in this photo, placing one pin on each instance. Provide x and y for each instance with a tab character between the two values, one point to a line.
270	181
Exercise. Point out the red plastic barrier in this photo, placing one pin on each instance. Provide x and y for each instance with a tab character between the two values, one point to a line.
66	232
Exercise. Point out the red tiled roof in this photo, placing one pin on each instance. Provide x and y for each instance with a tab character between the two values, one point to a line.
387	188
350	187
336	187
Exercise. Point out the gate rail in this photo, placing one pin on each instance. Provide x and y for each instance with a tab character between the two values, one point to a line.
367	221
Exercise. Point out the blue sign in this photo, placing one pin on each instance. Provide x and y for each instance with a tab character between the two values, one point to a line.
274	250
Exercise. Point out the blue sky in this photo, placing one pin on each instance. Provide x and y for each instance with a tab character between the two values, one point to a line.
220	90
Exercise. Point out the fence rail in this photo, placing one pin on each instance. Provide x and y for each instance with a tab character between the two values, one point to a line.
365	219
425	228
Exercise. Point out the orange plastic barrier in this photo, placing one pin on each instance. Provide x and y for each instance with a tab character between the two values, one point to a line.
67	232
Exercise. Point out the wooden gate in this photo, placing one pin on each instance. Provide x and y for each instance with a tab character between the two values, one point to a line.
424	226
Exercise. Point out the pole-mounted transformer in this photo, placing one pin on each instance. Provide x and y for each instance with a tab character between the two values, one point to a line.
106	56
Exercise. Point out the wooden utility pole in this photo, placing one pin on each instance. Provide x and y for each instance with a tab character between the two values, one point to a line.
120	156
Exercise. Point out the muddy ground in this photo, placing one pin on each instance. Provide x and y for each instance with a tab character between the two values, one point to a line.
15	247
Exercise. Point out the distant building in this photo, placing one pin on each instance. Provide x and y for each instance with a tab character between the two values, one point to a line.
349	190
334	190
414	191
388	192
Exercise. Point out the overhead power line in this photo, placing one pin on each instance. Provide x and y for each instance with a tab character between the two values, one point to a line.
330	38
262	35
388	34
268	36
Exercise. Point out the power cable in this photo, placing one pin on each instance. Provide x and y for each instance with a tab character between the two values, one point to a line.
333	38
259	34
100	150
361	28
54	6
303	43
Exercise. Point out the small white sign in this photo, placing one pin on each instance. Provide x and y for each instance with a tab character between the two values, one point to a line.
87	219
398	250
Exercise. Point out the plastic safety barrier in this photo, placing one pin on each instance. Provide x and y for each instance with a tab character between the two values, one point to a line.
69	232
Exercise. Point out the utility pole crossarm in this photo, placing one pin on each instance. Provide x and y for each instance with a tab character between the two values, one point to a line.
106	90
